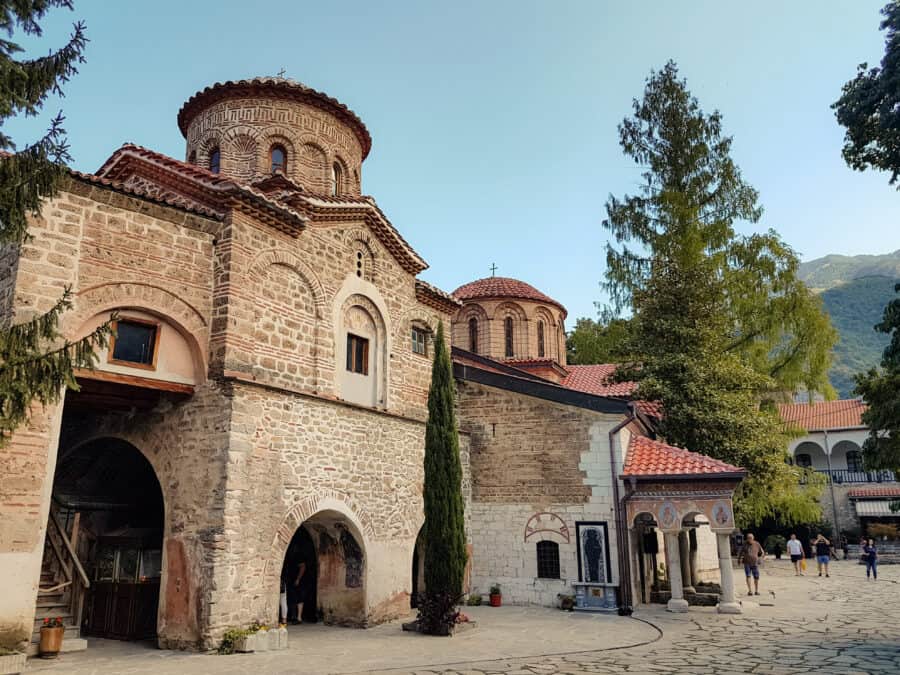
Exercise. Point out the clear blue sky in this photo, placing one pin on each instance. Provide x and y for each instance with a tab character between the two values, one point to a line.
494	122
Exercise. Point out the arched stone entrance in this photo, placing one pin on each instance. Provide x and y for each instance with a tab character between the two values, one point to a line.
418	570
108	504
330	547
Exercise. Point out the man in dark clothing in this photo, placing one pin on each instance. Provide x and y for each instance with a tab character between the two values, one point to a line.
823	554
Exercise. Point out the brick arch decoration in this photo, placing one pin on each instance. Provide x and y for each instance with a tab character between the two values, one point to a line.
360	236
323	500
212	138
184	317
312	160
520	328
460	325
551	331
277	136
274	256
547	525
241	145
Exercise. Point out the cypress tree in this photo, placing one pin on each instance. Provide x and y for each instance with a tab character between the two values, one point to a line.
35	363
444	530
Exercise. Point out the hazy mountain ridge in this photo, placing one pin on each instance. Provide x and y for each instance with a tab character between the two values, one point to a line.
854	291
833	270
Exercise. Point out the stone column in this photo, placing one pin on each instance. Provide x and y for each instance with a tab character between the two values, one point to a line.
677	603
692	541
684	552
727	604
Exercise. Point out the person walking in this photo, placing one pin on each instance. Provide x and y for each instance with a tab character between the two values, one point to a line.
795	550
871	553
752	554
823	554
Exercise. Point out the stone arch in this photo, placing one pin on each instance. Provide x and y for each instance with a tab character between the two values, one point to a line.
811	450
184	317
240	145
342	188
359	240
274	256
546	525
273	138
211	139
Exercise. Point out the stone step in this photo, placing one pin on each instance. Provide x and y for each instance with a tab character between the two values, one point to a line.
74	644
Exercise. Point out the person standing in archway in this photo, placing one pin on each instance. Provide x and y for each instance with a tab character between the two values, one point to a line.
298	591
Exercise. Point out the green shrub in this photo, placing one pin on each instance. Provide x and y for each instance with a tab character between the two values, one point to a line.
474	600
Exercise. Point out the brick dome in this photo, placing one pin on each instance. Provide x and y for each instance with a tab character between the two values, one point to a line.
503	287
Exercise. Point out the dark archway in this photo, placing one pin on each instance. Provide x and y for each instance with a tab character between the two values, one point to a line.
332	586
108	500
418	570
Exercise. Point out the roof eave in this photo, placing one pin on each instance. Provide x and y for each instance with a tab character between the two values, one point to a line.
730	475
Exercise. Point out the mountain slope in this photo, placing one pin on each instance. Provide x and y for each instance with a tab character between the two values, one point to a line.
855	307
834	270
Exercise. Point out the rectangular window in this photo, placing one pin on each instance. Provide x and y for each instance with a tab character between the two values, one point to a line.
357	354
134	343
548	560
418	341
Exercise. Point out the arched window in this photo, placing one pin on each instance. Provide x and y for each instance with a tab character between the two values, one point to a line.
540	333
278	159
214	160
508	335
804	460
473	335
548	560
336	179
854	461
192	158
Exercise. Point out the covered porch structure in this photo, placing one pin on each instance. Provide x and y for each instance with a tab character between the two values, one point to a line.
678	505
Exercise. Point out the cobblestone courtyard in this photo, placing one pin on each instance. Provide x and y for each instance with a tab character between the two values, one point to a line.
842	624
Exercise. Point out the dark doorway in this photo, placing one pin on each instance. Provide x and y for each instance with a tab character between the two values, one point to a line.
109	503
301	550
418	570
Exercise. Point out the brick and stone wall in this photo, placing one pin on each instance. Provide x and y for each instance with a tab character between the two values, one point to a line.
536	465
245	130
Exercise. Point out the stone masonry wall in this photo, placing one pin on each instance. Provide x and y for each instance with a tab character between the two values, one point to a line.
538	467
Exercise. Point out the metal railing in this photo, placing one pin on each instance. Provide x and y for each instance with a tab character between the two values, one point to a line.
838	476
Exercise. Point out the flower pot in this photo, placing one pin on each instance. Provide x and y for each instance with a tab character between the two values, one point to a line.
51	641
496	599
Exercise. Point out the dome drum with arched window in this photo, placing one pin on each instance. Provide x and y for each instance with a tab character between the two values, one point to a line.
510	320
252	129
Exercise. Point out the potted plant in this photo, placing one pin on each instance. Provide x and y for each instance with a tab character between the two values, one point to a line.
496	596
566	602
474	600
51	637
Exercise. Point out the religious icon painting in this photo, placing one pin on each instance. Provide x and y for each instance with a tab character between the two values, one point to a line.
593	552
721	514
668	514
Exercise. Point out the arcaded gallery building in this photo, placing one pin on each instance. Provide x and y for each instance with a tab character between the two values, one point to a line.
265	398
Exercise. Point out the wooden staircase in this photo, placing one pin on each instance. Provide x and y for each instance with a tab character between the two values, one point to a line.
62	586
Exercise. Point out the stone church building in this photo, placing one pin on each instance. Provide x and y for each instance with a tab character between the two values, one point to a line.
264	401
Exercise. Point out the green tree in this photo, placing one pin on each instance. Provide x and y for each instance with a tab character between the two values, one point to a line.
869	107
597	341
702	342
444	529
880	389
35	363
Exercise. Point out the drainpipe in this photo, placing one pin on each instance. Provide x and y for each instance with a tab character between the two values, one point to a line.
621	532
834	511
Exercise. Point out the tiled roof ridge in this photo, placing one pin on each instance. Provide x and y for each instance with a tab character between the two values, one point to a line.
441	295
504	287
882	491
647	458
279	86
839	414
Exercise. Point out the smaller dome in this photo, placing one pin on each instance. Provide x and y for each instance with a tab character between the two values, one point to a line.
503	287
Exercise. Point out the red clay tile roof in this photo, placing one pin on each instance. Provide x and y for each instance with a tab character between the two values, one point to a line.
594	379
277	87
503	287
857	493
434	296
647	458
843	414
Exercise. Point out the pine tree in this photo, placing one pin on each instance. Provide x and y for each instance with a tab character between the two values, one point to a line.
720	322
444	530
35	363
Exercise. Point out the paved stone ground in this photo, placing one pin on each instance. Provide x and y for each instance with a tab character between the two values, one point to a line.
840	625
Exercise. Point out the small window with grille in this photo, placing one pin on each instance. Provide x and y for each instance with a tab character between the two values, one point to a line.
548	560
